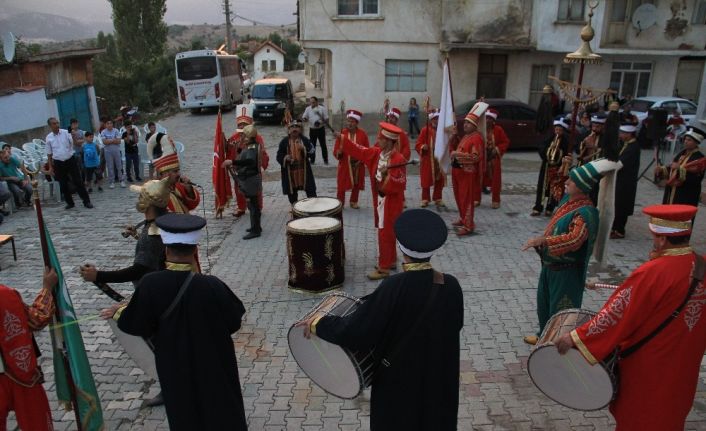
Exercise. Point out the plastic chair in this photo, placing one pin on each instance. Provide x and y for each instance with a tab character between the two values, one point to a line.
179	148
144	159
159	128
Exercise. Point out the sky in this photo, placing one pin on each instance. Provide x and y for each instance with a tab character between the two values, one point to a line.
275	12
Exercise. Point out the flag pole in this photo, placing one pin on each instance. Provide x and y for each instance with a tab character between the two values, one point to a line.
57	312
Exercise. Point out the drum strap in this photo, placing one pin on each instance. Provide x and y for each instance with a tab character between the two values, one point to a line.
438	282
696	278
177	298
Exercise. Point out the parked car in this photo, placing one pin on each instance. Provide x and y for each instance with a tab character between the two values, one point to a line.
516	118
272	96
641	105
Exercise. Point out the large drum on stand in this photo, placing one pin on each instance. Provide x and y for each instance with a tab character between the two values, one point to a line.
315	250
337	370
570	379
318	207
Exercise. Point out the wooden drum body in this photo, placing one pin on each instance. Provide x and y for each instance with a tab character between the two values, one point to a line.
315	250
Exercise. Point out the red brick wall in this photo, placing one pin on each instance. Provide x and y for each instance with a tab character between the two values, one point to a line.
31	73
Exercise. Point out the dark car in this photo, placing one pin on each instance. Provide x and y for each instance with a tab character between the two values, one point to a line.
272	97
516	118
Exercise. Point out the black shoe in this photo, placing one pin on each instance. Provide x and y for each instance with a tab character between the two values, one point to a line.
88	205
69	206
156	401
486	191
138	178
5	213
90	190
252	234
100	189
129	180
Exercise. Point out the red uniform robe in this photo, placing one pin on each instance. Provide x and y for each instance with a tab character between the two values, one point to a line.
392	186
179	200
345	179
468	176
232	154
658	381
430	173
493	167
21	387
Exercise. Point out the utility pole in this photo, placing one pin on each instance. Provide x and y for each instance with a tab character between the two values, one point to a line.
227	11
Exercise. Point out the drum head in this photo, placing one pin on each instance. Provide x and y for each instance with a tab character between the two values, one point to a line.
316	205
569	379
313	225
326	364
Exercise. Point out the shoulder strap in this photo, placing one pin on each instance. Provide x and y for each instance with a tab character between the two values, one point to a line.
390	353
696	277
177	298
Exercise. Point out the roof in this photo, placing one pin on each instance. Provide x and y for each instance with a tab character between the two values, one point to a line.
61	55
271	45
271	81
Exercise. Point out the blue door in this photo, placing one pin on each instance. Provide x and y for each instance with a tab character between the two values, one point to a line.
74	104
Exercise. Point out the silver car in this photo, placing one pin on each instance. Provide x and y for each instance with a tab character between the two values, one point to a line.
641	105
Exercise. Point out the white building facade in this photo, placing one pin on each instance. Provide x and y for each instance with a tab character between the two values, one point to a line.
268	59
368	50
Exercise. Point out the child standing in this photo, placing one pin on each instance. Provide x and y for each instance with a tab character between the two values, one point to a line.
92	162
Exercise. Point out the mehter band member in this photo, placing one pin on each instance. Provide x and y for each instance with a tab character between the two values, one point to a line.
235	145
626	182
351	172
162	151
685	174
293	156
413	319
190	318
550	183
658	370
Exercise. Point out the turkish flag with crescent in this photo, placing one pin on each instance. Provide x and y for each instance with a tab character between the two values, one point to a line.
221	181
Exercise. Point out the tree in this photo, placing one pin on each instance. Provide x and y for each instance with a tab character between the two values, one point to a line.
140	30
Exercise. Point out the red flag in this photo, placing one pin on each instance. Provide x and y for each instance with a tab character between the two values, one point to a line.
221	181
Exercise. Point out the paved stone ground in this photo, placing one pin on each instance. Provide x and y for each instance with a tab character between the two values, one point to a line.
498	282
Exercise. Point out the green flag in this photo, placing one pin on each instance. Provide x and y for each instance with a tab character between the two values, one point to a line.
67	343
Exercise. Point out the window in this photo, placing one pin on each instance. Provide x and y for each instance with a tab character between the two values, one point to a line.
538	80
571	10
687	108
524	114
699	13
671	107
196	68
630	79
406	75
264	66
357	7
273	65
492	75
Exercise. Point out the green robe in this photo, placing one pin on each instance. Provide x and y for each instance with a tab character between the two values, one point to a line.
563	277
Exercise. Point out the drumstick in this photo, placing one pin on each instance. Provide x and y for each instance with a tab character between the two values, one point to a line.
73	322
576	372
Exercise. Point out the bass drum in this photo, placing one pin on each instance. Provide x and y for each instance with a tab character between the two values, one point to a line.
337	370
569	379
315	250
318	207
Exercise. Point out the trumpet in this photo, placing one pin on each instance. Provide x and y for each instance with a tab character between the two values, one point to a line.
131	231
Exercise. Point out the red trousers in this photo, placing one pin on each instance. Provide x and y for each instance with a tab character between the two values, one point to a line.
341	195
438	188
30	405
456	173
387	245
468	185
241	201
494	181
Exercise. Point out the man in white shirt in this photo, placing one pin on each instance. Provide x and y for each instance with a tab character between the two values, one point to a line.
317	117
62	164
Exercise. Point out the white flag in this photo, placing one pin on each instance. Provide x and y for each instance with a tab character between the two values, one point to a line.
447	118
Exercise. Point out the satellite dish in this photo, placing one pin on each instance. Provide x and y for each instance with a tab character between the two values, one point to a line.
312	56
644	17
302	57
8	46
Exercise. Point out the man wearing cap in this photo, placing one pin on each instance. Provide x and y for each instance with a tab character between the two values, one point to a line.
590	147
21	376
317	117
393	117
566	245
162	151
430	173
293	156
248	169
685	174
626	181
235	146
351	173
659	371
496	147
550	183
466	161
388	179
413	319
190	317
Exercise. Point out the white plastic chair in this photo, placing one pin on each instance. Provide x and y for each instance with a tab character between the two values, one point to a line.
179	148
159	128
144	158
